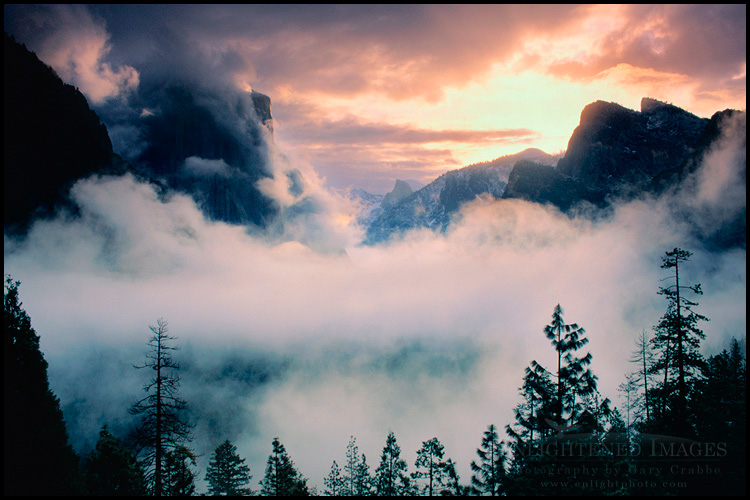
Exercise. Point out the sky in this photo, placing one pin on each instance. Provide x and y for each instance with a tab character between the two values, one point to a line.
369	94
316	338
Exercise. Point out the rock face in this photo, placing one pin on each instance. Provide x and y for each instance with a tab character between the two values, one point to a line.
434	205
51	138
615	152
213	149
401	190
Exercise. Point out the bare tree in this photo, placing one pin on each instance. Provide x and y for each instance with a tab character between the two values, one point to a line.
162	428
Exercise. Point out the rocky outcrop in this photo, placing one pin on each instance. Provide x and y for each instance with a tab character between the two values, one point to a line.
401	190
194	127
615	152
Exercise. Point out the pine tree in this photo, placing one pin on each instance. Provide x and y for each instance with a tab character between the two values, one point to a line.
335	483
720	408
37	459
162	428
179	477
489	474
227	473
112	470
351	469
678	338
390	477
643	358
364	483
439	474
573	378
282	478
531	414
632	398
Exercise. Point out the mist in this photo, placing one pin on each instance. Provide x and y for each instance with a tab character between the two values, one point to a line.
309	336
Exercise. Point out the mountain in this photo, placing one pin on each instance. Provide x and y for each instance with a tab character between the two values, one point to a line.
51	138
212	146
433	205
401	191
615	152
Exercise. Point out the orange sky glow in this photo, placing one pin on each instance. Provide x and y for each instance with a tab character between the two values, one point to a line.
369	94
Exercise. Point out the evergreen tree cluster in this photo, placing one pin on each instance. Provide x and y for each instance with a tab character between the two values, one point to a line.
681	416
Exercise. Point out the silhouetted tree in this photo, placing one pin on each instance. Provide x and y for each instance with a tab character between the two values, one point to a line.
440	474
629	390
335	483
364	484
489	474
678	338
390	477
179	477
37	458
719	405
538	406
227	473
643	358
356	475
113	470
573	378
162	428
282	478
351	469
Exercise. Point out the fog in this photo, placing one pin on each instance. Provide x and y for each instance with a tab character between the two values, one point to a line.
300	332
312	337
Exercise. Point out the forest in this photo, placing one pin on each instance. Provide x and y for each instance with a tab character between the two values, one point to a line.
681	428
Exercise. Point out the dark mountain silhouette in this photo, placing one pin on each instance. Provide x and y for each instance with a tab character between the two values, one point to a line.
213	148
51	138
618	154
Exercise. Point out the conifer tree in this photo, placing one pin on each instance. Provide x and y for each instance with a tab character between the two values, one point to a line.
573	378
227	473
162	427
537	406
629	390
179	477
678	338
335	483
113	470
37	458
643	358
282	478
391	477
351	469
720	408
489	474
439	475
364	484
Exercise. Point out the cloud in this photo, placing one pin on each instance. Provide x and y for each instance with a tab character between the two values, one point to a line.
427	336
319	64
284	334
200	167
76	45
698	50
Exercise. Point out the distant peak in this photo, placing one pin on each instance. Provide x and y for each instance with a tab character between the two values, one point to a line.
400	192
